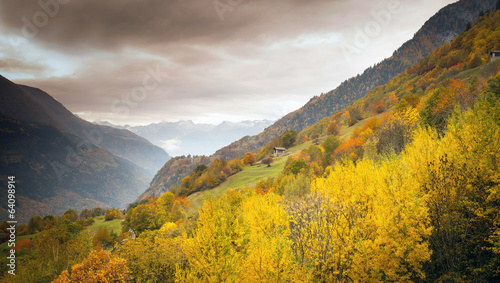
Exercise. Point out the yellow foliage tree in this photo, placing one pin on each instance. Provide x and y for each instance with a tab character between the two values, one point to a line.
270	257
364	222
155	255
219	243
98	267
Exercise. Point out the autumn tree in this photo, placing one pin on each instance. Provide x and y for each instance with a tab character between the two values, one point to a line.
219	243
354	116
352	149
71	214
475	62
269	257
112	213
22	229
103	238
332	128
407	101
438	108
362	223
99	266
378	107
155	256
291	186
397	131
267	161
249	158
52	251
163	211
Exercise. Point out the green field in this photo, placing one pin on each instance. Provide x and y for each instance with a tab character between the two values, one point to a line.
248	177
114	225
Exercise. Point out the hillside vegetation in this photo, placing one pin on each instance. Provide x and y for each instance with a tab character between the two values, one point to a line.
401	186
437	31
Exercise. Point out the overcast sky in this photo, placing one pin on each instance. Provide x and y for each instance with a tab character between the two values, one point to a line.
139	62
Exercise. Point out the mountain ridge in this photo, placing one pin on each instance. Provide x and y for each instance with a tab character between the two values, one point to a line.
435	32
445	24
34	105
60	159
188	138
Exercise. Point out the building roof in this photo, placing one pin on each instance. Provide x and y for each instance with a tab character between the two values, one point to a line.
279	148
495	52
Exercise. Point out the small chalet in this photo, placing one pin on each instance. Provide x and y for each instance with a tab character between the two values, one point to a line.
279	151
495	54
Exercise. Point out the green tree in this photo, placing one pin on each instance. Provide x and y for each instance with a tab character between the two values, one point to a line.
289	138
329	145
71	214
35	224
85	214
295	166
139	219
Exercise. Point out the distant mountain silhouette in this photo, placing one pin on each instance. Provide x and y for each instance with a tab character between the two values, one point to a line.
61	161
186	137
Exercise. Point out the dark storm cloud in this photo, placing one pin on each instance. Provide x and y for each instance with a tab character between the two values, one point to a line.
264	59
113	24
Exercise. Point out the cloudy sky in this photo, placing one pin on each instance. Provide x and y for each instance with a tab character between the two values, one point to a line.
143	61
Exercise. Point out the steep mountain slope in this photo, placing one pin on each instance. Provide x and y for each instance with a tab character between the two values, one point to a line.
61	161
173	172
453	76
449	79
34	105
438	30
50	180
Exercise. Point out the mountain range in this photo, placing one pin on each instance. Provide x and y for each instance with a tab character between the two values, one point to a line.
62	160
187	138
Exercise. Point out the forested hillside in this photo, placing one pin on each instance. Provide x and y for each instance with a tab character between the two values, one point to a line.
438	30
